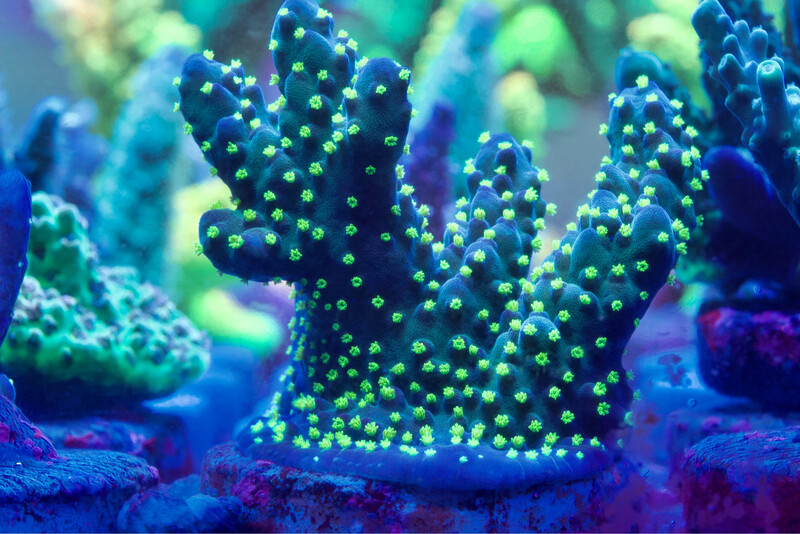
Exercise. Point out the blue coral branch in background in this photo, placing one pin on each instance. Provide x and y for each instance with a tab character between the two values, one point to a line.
757	95
463	74
59	152
430	169
35	157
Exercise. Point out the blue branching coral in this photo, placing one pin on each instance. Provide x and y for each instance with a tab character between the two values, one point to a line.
757	95
36	154
57	151
747	245
429	168
412	357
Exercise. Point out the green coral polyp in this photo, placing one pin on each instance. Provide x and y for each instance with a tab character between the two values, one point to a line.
456	329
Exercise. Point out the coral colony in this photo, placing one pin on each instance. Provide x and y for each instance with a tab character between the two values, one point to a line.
444	372
411	356
98	328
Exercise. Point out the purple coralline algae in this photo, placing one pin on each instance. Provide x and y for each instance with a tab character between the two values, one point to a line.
342	503
754	354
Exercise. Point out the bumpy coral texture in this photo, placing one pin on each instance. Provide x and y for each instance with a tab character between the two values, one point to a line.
97	330
413	358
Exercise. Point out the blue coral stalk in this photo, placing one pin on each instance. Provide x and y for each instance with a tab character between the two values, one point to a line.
430	170
412	357
15	226
463	75
36	155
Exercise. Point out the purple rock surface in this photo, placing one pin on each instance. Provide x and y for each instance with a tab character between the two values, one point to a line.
42	491
687	427
753	354
743	482
284	499
160	439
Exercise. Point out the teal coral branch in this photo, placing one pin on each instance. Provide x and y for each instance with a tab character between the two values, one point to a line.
142	172
411	357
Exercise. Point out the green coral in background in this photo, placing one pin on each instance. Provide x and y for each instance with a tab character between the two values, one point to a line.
106	40
147	163
666	32
561	48
394	28
537	39
91	331
523	106
200	291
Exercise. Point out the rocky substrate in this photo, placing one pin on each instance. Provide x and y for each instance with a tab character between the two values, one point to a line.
82	491
743	482
284	499
160	439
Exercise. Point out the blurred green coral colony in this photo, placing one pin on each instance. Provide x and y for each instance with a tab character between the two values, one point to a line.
96	329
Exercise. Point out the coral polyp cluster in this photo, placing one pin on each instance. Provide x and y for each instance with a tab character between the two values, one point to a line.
412	357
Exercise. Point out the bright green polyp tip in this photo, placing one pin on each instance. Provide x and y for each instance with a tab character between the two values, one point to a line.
235	241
